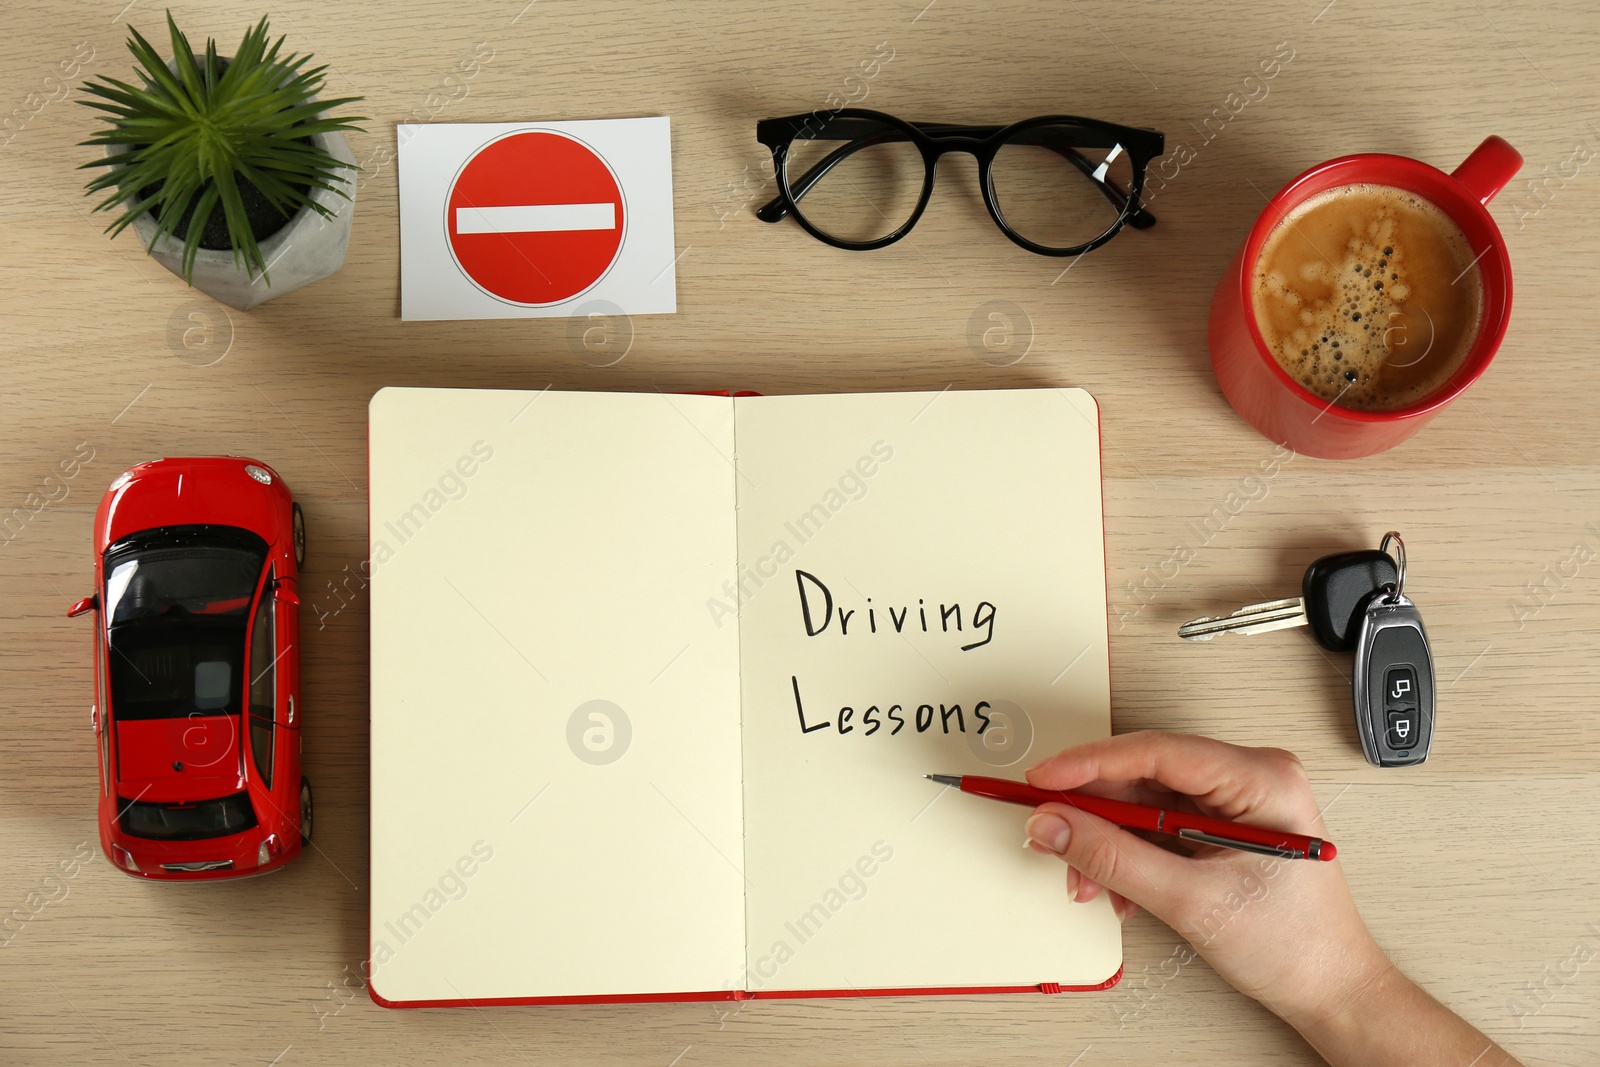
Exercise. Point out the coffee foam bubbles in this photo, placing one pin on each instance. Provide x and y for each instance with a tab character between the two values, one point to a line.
1357	338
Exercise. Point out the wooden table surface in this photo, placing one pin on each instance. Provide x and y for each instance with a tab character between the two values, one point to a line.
1477	871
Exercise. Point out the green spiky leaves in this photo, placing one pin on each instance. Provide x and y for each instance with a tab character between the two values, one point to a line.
194	133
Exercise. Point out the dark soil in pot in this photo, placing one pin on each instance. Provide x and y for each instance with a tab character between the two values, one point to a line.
265	220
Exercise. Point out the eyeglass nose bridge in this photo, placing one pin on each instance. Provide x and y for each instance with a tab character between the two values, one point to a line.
973	146
981	150
982	153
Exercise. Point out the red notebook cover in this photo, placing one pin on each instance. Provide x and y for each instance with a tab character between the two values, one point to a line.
741	994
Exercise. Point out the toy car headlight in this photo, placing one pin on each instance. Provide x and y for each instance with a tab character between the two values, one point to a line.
260	474
270	850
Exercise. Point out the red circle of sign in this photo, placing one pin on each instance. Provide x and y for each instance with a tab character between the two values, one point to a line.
535	167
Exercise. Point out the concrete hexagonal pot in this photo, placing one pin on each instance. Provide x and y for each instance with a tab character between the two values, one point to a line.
305	249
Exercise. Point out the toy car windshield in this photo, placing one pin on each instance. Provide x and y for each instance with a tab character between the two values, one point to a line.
178	601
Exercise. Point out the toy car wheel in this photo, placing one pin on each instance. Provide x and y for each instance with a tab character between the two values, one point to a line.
299	537
305	813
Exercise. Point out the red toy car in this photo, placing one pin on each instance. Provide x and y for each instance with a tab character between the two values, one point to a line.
197	669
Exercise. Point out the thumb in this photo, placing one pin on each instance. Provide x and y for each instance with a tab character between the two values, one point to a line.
1144	873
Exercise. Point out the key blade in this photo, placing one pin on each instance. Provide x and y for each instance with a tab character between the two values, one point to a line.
1251	619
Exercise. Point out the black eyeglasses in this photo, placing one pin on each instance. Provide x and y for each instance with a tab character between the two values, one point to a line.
1056	185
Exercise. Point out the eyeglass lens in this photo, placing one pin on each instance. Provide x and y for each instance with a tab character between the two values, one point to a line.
1055	191
870	179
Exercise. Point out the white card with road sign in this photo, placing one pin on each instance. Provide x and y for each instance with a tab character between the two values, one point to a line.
518	219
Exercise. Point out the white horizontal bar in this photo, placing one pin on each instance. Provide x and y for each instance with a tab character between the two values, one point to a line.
536	218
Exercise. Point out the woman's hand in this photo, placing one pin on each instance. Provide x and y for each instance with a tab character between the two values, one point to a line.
1283	931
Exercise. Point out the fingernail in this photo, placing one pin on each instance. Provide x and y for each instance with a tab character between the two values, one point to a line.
1051	831
1036	766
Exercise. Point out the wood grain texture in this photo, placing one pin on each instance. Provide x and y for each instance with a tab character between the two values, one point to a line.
1477	871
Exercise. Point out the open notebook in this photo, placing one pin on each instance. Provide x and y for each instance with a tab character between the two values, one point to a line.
655	679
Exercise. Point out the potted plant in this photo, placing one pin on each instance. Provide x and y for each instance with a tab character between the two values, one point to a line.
227	168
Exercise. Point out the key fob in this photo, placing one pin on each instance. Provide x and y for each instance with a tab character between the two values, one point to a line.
1393	685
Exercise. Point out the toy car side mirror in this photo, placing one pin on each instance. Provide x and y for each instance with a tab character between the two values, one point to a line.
88	603
284	594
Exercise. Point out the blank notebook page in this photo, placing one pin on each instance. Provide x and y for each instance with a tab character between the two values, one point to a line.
937	520
533	554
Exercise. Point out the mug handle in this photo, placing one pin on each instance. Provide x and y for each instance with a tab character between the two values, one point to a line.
1491	165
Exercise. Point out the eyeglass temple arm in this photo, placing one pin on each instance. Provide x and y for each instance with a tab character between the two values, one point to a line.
774	210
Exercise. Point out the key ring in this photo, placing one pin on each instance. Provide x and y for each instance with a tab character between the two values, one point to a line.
1399	555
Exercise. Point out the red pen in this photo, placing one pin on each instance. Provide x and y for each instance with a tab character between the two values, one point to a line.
1182	824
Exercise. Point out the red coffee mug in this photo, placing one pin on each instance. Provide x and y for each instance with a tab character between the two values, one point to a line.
1281	408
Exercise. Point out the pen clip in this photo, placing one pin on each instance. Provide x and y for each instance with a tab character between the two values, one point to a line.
1244	846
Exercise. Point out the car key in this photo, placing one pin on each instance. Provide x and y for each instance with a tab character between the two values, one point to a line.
1392	686
1332	601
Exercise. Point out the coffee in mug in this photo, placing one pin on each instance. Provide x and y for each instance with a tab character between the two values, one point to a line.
1368	295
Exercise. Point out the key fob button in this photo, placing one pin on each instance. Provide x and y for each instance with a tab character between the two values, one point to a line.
1402	732
1400	688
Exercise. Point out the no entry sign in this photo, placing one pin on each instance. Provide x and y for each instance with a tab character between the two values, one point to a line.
535	218
503	220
